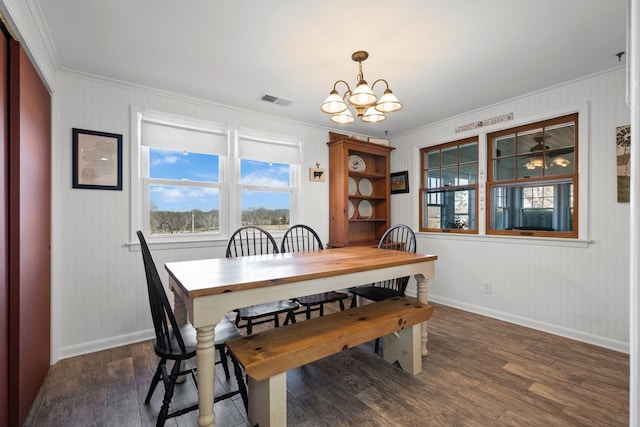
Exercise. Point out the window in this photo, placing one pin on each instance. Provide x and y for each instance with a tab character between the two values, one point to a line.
181	180
267	175
199	179
532	177
449	187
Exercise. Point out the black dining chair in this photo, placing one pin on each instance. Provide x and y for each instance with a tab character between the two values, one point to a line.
302	238
253	240
401	238
178	343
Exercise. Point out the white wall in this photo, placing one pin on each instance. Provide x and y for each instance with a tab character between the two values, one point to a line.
99	293
577	290
580	290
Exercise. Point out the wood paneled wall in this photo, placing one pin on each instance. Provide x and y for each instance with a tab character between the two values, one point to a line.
575	290
99	294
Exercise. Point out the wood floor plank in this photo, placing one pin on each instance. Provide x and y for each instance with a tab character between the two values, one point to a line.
479	372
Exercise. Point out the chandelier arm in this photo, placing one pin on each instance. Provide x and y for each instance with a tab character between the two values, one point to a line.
380	80
335	85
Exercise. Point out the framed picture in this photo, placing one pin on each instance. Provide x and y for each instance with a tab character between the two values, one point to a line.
97	160
400	182
317	175
623	157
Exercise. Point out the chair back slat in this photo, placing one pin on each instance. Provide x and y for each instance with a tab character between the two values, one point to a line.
251	240
300	238
399	238
164	322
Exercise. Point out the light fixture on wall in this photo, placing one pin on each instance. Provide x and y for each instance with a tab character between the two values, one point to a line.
368	107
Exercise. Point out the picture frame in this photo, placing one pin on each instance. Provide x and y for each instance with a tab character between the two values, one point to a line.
97	160
399	182
317	175
623	160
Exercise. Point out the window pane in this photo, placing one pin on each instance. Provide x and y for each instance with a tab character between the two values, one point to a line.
265	174
450	176
469	153
558	136
504	146
530	166
433	178
433	159
433	217
542	206
529	141
450	156
561	161
183	165
468	174
504	169
267	209
450	209
178	209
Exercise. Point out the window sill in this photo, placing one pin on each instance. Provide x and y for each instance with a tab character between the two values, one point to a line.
180	243
517	240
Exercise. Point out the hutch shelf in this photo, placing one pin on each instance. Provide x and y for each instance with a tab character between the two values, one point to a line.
359	189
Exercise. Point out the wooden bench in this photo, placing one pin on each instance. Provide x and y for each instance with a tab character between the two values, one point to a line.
268	355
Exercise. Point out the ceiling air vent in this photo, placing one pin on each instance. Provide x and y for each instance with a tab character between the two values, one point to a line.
271	99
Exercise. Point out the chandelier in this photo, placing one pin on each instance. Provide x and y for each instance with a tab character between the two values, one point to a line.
368	107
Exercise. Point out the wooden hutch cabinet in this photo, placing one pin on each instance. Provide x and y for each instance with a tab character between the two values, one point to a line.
359	189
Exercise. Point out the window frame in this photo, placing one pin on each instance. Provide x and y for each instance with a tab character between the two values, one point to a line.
538	181
229	178
425	190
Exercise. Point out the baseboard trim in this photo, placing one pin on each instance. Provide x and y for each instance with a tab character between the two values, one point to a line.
104	344
597	340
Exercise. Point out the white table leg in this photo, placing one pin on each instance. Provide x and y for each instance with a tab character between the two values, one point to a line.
205	362
205	355
423	297
180	313
268	401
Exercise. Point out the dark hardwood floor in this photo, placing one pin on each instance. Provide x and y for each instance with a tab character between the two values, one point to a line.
479	372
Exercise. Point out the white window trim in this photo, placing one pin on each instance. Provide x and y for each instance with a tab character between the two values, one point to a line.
583	178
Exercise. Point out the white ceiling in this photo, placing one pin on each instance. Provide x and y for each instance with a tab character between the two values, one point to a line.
440	57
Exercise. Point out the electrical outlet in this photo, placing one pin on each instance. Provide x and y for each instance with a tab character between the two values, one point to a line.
487	287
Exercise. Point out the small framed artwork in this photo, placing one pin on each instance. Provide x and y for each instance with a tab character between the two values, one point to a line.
97	160
317	175
400	182
623	157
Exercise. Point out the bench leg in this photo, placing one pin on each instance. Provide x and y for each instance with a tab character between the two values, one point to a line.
404	348
268	401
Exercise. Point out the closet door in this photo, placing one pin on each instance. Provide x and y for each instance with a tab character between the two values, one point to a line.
29	233
4	241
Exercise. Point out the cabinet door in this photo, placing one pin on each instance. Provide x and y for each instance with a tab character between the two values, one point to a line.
4	245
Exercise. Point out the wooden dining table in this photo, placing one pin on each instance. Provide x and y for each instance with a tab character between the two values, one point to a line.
205	290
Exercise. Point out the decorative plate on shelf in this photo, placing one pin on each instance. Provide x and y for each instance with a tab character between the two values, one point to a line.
351	210
352	186
356	164
365	210
365	187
